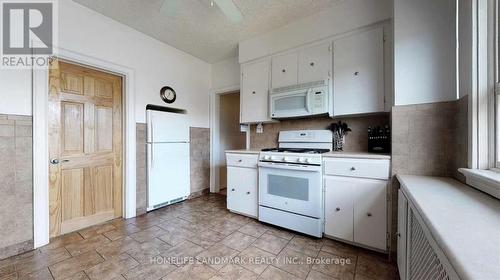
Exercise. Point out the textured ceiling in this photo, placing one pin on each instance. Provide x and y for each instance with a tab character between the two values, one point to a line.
203	31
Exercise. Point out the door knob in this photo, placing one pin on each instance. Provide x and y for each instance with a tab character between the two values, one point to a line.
57	161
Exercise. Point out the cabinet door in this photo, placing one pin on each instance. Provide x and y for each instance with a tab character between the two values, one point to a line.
284	70
339	207
242	190
315	63
401	235
370	214
255	92
358	73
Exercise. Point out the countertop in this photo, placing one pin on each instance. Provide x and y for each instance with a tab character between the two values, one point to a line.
357	155
251	151
464	222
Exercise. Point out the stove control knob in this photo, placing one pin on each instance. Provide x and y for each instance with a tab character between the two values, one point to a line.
301	159
308	160
267	157
286	159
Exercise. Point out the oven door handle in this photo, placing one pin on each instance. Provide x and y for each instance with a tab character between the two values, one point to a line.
284	166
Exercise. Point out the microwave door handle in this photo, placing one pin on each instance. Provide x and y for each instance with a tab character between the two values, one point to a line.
308	104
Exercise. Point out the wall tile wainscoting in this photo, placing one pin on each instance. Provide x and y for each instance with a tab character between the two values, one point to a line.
16	220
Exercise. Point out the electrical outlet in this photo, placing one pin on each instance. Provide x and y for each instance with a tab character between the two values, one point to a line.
260	128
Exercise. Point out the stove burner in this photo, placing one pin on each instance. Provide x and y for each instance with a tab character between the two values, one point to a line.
296	150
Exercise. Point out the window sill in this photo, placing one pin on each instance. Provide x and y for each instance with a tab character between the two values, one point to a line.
487	181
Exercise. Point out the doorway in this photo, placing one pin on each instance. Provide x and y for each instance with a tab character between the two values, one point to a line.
231	138
85	147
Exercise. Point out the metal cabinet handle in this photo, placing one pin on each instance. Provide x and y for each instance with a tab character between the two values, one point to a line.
232	190
356	73
369	214
312	63
57	161
353	168
337	209
283	70
248	192
253	92
240	160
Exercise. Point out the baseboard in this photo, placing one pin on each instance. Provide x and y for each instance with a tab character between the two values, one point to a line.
16	249
199	193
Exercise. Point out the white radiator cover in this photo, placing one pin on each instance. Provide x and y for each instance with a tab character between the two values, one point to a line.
423	261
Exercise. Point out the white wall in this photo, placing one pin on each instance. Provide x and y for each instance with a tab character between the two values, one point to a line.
424	51
226	74
155	64
342	17
465	48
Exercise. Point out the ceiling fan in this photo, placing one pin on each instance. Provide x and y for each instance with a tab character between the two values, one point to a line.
227	7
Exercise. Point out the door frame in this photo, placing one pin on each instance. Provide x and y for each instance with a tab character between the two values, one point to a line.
40	90
215	159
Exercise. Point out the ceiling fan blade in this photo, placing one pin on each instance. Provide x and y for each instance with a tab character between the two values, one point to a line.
230	10
169	7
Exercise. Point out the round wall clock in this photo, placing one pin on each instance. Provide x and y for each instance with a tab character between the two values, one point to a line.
168	94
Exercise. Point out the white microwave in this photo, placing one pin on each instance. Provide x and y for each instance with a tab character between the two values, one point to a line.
300	101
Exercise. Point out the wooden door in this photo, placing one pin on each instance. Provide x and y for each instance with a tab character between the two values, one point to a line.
339	195
358	73
85	147
284	70
255	92
315	63
370	214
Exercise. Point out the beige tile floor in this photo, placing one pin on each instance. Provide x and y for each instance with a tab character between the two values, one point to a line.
195	239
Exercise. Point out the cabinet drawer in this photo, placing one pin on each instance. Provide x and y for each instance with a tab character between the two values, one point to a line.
242	160
363	168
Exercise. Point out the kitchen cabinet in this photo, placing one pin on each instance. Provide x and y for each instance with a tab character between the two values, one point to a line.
358	73
315	63
255	92
284	70
401	234
339	208
242	184
355	207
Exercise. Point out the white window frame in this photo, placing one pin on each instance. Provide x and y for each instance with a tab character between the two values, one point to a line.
483	171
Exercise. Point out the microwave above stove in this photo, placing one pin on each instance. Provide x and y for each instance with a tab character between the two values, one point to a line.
309	99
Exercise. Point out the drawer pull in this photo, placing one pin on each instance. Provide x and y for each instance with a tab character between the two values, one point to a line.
353	168
232	190
240	160
337	209
248	192
369	214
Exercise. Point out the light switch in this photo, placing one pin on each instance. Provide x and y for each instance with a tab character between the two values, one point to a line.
260	128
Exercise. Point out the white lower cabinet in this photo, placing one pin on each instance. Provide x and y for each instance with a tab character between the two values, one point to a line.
401	234
356	208
242	185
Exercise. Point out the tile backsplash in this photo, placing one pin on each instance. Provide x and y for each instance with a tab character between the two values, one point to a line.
356	141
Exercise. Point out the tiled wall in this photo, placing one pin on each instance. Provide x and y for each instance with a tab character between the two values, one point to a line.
200	163
141	190
428	139
200	159
16	185
356	141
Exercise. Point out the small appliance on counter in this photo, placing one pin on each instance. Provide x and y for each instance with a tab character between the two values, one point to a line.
379	139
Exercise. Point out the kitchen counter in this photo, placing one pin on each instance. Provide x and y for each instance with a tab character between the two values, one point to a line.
462	220
364	155
243	151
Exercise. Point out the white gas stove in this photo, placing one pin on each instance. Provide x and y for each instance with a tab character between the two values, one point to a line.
290	187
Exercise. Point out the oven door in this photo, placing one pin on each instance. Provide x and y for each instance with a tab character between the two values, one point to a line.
292	188
291	104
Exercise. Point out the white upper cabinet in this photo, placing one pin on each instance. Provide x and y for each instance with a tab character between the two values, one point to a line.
255	92
284	70
315	63
358	73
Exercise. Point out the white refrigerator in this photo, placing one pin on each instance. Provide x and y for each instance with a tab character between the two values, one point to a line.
168	174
